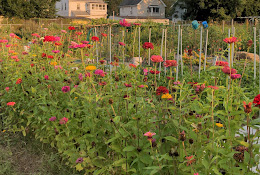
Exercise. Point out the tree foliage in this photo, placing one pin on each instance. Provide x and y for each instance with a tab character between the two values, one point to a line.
28	8
221	9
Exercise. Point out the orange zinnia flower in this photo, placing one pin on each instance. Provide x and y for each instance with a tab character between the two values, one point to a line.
247	107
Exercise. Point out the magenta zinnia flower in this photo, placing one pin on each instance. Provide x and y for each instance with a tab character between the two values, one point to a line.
64	120
65	89
124	23
46	77
52	119
79	160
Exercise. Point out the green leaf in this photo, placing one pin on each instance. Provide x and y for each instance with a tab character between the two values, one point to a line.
72	91
79	167
247	157
172	139
23	131
244	143
33	90
214	67
129	148
205	163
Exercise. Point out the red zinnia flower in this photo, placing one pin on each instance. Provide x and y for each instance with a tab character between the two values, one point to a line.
71	28
50	56
170	63
170	78
190	160
44	55
95	38
19	81
124	23
49	39
104	35
148	45
102	61
10	104
153	72
132	65
161	90
156	58
78	33
257	100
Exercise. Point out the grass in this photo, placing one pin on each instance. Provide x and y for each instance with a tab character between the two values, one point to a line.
21	155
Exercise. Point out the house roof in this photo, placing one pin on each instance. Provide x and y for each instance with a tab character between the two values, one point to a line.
134	2
100	1
130	2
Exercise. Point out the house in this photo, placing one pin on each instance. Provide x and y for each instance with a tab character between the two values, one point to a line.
179	8
82	8
140	9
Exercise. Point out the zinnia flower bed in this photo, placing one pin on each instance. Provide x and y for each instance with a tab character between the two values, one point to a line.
129	119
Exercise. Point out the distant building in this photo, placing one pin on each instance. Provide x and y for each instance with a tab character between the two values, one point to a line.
140	9
179	11
82	8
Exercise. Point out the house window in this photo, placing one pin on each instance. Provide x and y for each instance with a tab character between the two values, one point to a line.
131	10
96	6
100	7
78	6
104	7
61	6
65	6
93	6
153	9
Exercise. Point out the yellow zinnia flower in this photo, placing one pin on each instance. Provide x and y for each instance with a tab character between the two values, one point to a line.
219	125
167	96
54	63
90	68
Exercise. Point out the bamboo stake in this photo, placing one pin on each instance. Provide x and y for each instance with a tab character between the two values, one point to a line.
254	52
110	48
229	50
178	52
139	41
160	68
206	49
165	54
233	47
201	31
96	45
181	55
150	32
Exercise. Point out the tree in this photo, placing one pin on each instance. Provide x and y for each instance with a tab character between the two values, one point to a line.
221	9
28	8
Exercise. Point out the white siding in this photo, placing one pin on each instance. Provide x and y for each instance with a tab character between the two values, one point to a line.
60	6
142	9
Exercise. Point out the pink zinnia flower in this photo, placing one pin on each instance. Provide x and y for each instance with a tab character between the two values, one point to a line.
213	87
99	72
221	63
145	71
80	77
7	89
58	67
52	119
127	85
64	120
149	135
121	43
235	76
36	35
156	58
79	160
65	89
227	70
177	82
56	51
230	40
63	31
124	23
85	42
46	77
141	86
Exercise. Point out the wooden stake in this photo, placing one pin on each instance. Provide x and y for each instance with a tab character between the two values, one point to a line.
150	33
206	49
